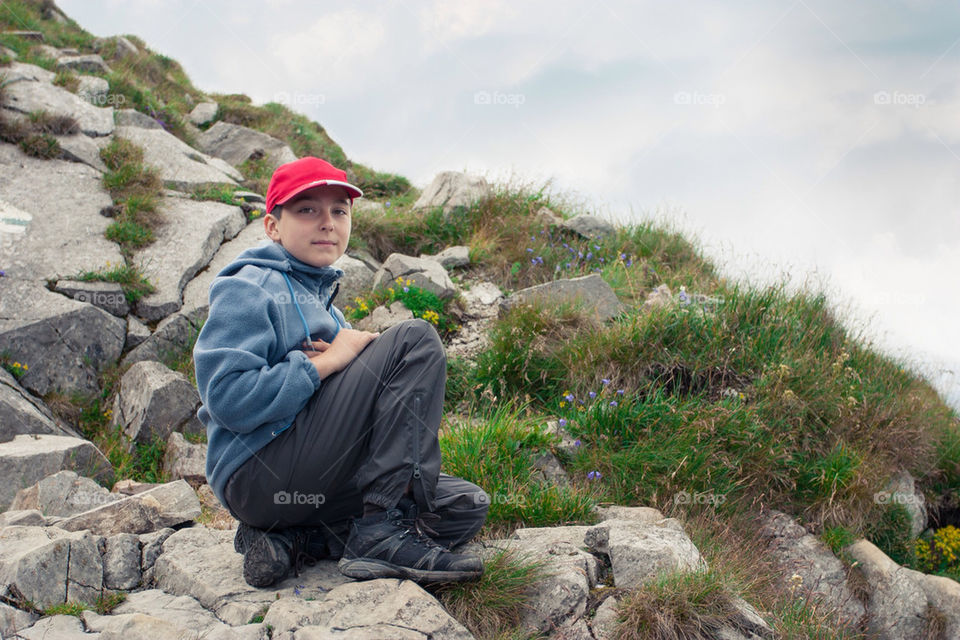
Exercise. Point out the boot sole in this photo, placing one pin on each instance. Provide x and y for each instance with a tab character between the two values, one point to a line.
368	569
261	567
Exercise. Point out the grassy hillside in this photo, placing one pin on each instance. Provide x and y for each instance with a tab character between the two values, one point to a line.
710	408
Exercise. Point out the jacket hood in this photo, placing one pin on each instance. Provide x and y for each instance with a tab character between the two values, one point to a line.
271	255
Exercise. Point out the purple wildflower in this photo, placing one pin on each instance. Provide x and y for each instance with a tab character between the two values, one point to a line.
613	403
594	475
405	289
568	397
630	262
577	442
619	392
597	247
593	394
562	422
2	273
529	250
589	254
387	204
605	381
623	256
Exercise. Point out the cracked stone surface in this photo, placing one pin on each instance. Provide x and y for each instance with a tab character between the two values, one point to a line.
27	95
29	458
24	413
181	166
154	401
592	292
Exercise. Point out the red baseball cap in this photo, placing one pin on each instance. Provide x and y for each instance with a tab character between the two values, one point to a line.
295	177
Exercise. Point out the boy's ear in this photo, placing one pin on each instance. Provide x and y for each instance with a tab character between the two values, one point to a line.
272	227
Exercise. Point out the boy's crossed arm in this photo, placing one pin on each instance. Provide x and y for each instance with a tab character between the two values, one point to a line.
330	357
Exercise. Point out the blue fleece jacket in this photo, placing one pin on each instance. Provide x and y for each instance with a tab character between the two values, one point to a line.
252	374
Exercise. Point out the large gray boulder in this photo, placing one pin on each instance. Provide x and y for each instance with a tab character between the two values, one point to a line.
17	71
24	413
640	548
382	318
185	460
821	574
385	608
155	401
181	613
13	620
134	118
29	458
196	295
49	566
191	235
121	561
60	626
174	333
93	89
63	494
943	594
25	96
202	563
458	256
357	280
592	292
588	226
453	190
203	113
166	505
89	63
180	166
424	273
108	296
897	603
236	144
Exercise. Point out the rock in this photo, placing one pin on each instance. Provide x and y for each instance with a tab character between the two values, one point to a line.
49	566
383	608
821	574
202	563
121	562
63	494
18	71
29	458
26	96
22	517
128	487
91	63
659	297
568	444
550	472
453	190
426	274
604	623
46	51
108	296
137	332
55	240
943	594
382	318
236	144
639	550
61	627
592	292
203	113
154	401
24	413
560	595
81	148
902	490
25	34
184	245
357	280
458	256
13	620
171	335
167	505
183	612
185	460
63	342
639	515
215	515
151	546
196	295
124	48
365	257
548	218
897	604
588	226
134	118
93	89
481	300
180	165
249	196
8	52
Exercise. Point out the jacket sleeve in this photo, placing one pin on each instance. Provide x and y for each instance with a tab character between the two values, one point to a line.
238	384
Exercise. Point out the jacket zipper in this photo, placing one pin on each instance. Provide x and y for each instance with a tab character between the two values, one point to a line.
416	437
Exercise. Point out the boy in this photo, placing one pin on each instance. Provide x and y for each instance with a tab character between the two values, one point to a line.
322	440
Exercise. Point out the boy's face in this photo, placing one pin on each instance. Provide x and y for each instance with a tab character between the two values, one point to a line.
314	226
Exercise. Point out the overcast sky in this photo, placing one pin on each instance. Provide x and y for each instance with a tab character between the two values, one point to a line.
790	137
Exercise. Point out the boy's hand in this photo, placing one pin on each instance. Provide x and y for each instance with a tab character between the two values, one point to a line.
330	357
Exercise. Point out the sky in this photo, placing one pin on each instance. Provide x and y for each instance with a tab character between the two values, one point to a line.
801	140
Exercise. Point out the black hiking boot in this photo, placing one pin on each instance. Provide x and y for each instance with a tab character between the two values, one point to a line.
269	556
390	545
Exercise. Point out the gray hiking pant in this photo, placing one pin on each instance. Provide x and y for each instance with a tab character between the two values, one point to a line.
368	432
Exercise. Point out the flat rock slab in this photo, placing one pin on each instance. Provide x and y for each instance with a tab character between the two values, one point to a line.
182	611
453	190
236	144
167	505
591	292
196	294
81	148
63	494
90	63
24	413
49	566
384	608
181	166
26	96
29	458
108	296
190	236
61	627
63	342
202	563
424	273
41	238
17	71
204	113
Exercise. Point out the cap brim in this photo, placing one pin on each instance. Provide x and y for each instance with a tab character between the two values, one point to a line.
353	191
